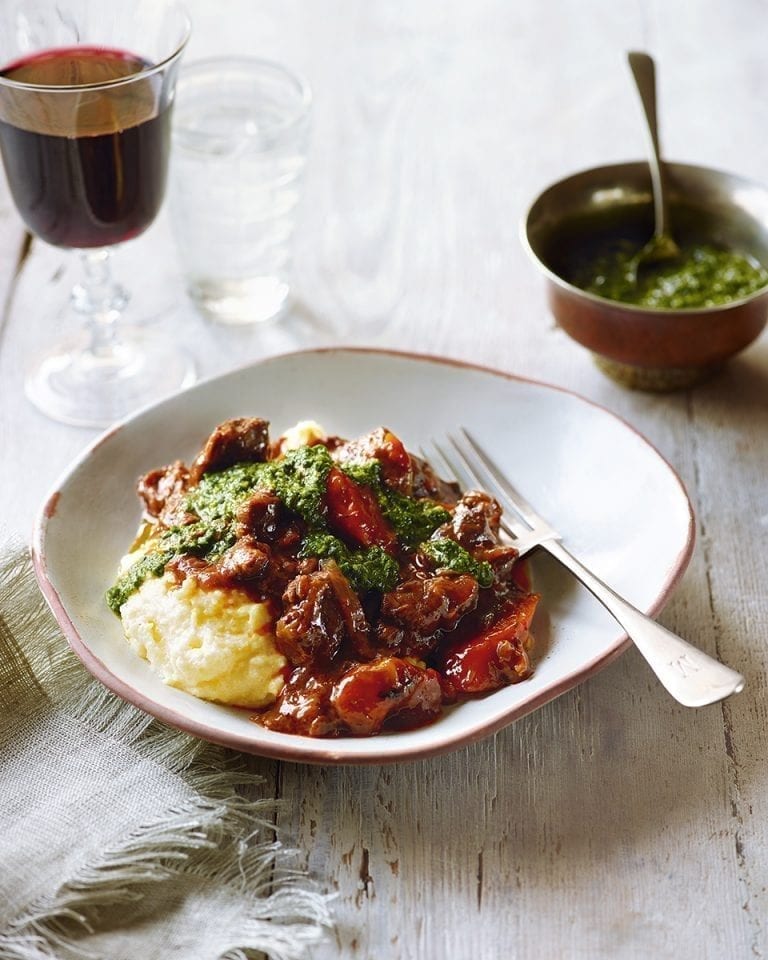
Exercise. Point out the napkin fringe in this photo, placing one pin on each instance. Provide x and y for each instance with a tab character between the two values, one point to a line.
222	843
203	844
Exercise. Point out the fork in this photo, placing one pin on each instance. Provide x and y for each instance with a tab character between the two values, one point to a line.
691	676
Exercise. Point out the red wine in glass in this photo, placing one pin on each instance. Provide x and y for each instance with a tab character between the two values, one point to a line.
93	173
85	140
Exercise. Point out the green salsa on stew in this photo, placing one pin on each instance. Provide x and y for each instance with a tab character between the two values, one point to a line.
299	480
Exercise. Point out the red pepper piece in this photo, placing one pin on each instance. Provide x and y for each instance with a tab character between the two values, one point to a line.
389	691
493	657
354	513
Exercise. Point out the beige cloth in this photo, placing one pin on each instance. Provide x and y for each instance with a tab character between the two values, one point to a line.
121	839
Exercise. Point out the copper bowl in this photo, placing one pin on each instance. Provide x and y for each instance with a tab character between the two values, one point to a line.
641	347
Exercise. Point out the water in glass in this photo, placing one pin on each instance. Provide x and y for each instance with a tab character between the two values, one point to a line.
240	143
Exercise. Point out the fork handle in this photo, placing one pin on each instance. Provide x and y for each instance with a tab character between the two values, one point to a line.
691	676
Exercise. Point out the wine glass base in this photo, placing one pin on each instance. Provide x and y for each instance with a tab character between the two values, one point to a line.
88	390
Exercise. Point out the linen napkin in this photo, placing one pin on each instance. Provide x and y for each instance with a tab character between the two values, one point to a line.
119	838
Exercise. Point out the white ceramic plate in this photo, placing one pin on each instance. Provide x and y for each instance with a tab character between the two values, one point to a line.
617	503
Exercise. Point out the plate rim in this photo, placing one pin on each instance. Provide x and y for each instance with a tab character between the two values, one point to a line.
323	749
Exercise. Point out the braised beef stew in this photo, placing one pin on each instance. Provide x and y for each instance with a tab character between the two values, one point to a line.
390	590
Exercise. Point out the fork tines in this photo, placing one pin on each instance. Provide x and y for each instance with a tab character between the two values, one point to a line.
464	460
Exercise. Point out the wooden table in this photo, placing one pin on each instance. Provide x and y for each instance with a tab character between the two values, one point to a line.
612	823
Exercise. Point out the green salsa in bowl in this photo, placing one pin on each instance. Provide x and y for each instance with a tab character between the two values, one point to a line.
671	324
702	276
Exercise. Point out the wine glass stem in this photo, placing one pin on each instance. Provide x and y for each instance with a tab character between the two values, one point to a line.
100	299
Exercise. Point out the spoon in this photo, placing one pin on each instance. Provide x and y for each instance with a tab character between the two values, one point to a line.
662	245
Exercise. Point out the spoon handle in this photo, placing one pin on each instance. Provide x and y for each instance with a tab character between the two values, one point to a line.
644	71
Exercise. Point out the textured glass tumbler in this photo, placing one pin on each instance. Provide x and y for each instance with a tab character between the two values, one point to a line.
240	139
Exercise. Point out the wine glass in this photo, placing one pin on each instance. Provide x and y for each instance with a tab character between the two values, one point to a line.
86	91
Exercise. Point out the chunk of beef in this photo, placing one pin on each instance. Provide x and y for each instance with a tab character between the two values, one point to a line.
426	483
388	692
163	491
312	627
382	445
351	607
243	440
415	614
281	571
303	705
248	565
321	612
260	515
247	559
475	521
503	560
264	516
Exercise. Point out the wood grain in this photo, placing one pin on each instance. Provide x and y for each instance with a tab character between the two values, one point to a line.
612	823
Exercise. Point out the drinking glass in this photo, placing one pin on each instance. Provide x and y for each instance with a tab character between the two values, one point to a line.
86	91
240	138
